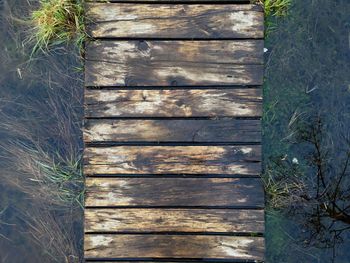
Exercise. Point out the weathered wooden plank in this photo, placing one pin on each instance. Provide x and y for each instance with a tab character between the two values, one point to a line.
173	246
170	1
98	73
130	20
151	53
174	220
148	261
173	160
143	63
175	192
173	103
233	130
153	261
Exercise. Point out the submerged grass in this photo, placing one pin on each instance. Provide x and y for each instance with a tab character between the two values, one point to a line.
56	22
50	232
41	183
307	77
284	184
51	178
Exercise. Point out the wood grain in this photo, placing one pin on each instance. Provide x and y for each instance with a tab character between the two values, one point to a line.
174	21
174	63
151	53
173	246
173	160
180	72
174	192
100	74
173	103
174	220
233	130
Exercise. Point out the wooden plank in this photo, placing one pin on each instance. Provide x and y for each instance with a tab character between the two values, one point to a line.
98	73
174	63
154	261
233	130
151	53
148	261
173	103
130	20
173	160
174	220
170	1
173	246
175	192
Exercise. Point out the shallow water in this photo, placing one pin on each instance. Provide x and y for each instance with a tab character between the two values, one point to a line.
307	92
40	116
307	122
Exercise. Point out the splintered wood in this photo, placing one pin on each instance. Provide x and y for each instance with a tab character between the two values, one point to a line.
172	131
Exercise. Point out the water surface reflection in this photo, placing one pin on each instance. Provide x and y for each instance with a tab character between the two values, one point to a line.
41	181
307	133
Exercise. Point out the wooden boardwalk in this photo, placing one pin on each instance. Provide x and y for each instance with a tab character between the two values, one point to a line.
173	105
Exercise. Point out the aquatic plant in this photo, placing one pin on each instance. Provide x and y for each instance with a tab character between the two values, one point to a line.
56	22
319	197
331	193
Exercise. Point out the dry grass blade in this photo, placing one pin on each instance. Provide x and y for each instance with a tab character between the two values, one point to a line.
50	233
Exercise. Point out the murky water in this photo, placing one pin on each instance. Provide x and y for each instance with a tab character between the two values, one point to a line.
40	146
307	133
306	139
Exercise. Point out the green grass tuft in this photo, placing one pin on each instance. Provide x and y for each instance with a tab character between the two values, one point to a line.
56	22
276	7
67	177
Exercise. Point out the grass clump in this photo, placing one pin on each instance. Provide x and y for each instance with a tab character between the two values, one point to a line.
276	7
66	176
56	22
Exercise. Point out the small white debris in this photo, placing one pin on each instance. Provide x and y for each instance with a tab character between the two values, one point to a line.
295	161
246	150
311	90
19	72
265	50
